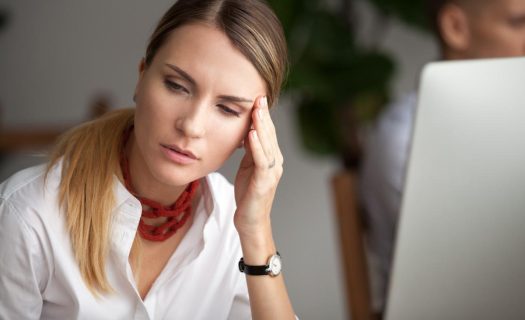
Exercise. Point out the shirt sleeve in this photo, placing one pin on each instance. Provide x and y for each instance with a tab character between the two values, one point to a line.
21	267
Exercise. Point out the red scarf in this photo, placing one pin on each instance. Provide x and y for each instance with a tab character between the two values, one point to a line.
177	214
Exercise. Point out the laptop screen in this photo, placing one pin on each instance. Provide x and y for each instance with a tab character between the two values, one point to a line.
460	249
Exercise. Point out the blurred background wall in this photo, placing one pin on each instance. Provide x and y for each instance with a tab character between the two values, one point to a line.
57	56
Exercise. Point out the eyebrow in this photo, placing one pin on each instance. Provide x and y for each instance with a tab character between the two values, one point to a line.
192	81
235	99
182	73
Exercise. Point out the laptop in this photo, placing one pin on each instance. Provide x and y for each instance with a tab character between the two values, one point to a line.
460	248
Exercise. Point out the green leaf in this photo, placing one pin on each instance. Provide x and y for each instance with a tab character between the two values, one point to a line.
339	82
318	133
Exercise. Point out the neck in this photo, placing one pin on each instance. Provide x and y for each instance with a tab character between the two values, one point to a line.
144	183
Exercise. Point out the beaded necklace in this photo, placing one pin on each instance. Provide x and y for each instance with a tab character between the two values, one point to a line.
176	214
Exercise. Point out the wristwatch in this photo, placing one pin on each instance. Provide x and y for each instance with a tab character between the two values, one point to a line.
272	268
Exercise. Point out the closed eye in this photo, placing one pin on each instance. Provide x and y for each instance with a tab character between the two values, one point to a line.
228	110
173	86
517	21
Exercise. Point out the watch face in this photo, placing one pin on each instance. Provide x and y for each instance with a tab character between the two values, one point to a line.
275	265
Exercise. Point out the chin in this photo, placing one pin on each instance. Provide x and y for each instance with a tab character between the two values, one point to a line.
175	176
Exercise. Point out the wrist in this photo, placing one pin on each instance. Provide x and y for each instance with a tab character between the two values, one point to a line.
257	246
253	230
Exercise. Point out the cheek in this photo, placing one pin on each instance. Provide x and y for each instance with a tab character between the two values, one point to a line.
498	41
227	134
520	40
511	42
152	107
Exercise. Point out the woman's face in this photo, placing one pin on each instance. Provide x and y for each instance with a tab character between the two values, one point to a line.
194	105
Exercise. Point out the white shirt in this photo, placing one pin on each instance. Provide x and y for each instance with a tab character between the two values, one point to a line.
381	184
39	278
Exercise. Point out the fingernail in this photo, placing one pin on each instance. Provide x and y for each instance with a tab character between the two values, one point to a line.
264	102
259	113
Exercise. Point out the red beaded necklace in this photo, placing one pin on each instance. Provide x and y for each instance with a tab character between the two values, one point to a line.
177	214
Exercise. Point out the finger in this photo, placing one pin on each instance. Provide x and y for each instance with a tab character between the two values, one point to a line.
259	157
267	115
269	135
265	134
270	129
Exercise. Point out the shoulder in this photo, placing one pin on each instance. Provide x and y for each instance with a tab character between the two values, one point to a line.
390	135
398	116
25	202
21	181
387	145
28	193
24	237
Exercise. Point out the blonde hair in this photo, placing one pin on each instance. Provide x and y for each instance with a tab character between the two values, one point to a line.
90	153
90	157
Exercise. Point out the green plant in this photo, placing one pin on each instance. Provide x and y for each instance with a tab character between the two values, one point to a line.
335	82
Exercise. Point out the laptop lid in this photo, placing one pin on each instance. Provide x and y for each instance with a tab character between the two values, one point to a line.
460	249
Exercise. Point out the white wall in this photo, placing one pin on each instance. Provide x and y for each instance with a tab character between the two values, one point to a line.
55	55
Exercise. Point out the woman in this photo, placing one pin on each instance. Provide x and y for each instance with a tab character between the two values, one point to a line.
128	221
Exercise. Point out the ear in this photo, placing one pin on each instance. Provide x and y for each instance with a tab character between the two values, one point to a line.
454	28
142	68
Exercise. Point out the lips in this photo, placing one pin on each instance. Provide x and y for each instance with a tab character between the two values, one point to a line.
186	153
179	155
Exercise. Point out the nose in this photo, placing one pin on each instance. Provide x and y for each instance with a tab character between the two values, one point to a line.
192	121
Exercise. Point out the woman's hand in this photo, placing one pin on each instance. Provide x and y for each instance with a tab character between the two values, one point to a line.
259	173
255	186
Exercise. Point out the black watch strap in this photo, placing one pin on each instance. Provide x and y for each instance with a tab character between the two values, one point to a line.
257	270
253	270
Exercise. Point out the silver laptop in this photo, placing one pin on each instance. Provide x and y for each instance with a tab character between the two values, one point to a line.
460	250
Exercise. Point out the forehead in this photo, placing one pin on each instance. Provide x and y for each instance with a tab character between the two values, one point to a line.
504	6
206	53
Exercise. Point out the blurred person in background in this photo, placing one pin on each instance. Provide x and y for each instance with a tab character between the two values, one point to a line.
465	29
128	220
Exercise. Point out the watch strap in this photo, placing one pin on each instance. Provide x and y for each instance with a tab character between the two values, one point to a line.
253	270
